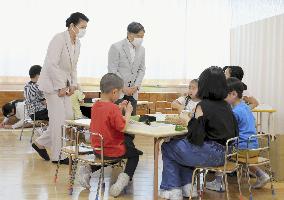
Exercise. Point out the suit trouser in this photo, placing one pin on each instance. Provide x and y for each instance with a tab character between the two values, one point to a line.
40	115
59	110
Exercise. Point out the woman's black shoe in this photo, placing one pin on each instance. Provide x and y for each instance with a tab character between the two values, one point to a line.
42	152
64	162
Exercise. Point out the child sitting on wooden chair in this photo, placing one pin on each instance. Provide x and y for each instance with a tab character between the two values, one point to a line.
246	124
107	120
190	101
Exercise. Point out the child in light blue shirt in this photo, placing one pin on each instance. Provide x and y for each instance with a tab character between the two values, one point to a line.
246	124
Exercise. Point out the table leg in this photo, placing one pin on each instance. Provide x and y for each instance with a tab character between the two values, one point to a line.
70	164
260	122
156	165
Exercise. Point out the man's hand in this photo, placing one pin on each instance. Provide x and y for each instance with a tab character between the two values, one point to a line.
134	89
127	91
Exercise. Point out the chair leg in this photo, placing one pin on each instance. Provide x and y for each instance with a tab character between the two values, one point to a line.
227	186
57	168
203	184
22	131
248	177
271	179
100	183
70	164
192	182
33	132
73	175
103	177
239	176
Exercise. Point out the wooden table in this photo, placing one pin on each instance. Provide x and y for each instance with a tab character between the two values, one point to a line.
259	110
156	131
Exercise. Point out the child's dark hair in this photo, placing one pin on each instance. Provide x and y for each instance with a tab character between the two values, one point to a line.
109	82
75	18
237	72
194	81
34	70
188	98
212	84
235	84
7	109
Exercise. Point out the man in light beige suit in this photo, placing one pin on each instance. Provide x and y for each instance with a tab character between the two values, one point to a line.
58	80
126	58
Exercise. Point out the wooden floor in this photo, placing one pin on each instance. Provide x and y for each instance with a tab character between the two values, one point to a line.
24	175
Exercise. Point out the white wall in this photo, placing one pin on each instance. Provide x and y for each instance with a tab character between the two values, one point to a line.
259	48
182	36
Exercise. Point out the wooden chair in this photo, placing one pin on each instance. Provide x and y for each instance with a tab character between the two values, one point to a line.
71	147
231	165
257	157
95	160
81	153
35	123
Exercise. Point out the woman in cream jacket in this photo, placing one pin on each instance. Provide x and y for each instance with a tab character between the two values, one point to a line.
58	80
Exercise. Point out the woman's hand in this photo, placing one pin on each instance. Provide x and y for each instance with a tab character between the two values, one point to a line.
62	92
71	90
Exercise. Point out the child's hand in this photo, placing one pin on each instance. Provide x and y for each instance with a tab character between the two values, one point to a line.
129	108
8	126
2	125
123	105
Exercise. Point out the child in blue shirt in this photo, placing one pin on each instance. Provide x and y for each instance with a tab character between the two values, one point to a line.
246	124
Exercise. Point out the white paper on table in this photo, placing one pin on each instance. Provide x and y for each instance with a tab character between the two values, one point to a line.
95	99
263	107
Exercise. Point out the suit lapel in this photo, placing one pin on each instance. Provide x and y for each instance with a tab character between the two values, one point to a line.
127	52
136	58
69	47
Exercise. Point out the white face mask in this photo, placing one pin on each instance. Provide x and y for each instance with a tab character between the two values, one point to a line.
137	42
81	33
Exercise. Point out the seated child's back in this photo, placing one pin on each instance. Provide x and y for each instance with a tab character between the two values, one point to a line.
107	120
246	123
